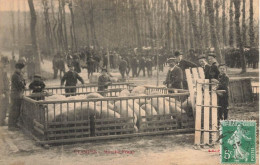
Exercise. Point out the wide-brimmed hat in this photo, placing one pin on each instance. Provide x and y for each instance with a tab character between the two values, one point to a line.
178	53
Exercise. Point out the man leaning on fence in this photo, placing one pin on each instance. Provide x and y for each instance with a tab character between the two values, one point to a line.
71	77
174	76
17	89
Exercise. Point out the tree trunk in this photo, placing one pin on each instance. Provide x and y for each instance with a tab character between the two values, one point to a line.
201	25
178	23
136	24
19	25
251	25
217	18
33	38
92	25
197	36
82	9
74	38
148	17
168	44
214	41
206	28
244	24
224	22
238	34
178	36
231	29
25	21
53	29
13	28
186	26
63	17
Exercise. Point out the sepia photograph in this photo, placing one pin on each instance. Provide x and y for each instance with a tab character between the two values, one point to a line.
112	82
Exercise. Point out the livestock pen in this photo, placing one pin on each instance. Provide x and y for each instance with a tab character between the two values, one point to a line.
80	119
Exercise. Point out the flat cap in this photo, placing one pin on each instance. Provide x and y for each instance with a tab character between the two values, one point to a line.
171	59
202	56
37	76
212	54
19	65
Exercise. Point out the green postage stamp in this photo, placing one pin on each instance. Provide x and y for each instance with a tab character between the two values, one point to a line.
238	142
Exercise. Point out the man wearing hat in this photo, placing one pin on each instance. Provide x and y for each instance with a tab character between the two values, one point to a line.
223	83
76	63
4	92
71	78
203	63
184	64
174	76
37	85
213	70
17	89
103	80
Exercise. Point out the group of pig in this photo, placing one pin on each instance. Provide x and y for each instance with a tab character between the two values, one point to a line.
129	105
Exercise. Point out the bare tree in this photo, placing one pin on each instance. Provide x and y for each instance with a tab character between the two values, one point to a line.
33	37
214	40
224	22
237	4
244	39
251	25
133	8
231	22
73	36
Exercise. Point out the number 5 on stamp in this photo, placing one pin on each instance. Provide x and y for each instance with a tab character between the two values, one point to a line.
238	142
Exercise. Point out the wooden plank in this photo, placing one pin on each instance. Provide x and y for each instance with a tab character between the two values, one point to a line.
68	122
206	112
68	128
214	101
114	119
114	125
86	139
195	74
36	123
114	130
198	113
166	126
68	134
201	73
191	88
38	130
161	121
156	116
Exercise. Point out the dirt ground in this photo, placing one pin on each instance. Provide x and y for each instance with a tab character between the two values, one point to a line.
19	149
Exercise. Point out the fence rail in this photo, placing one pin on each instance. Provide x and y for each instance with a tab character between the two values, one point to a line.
62	121
83	88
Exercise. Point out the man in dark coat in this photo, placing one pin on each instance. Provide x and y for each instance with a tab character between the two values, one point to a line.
213	70
4	92
37	85
184	64
90	66
76	64
122	67
103	80
141	66
203	63
71	77
223	83
174	78
149	67
17	89
134	65
55	66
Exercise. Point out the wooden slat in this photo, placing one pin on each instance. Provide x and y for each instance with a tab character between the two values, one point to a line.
206	112
161	121
68	134
85	139
114	119
167	126
156	116
198	113
113	125
68	128
201	73
36	123
38	130
214	114
68	122
114	130
191	88
195	74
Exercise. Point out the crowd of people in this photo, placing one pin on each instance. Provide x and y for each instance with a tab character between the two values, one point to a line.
125	61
